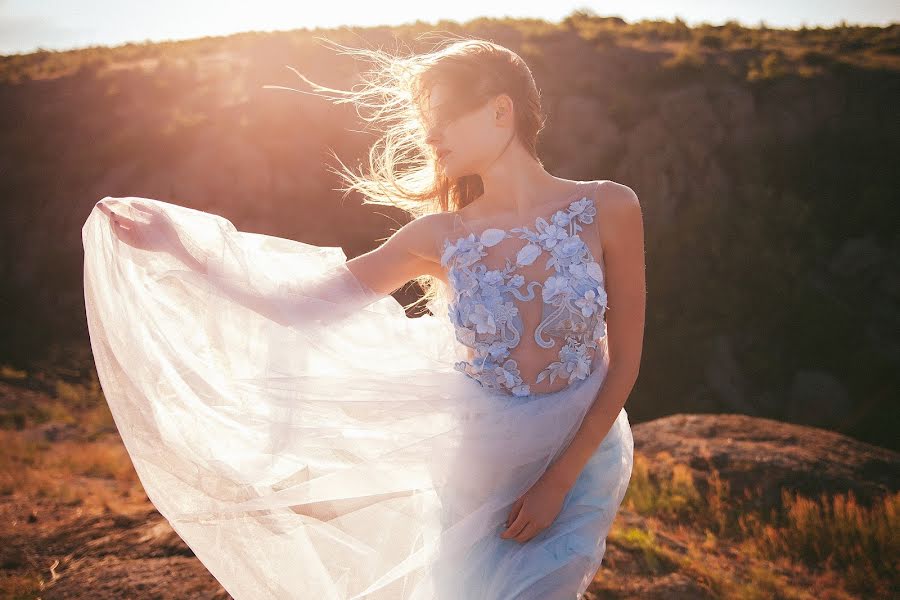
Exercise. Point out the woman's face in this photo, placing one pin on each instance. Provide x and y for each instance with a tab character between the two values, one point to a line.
465	144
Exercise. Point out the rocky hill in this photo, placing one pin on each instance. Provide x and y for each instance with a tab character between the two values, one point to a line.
763	158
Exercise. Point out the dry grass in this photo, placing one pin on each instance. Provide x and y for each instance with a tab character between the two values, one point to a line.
835	533
12	373
20	587
805	545
66	472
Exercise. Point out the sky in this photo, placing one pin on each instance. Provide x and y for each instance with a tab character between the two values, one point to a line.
26	25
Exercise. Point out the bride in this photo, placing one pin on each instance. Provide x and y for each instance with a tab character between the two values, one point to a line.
308	440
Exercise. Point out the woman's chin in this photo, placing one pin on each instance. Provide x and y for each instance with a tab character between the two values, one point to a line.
454	172
446	165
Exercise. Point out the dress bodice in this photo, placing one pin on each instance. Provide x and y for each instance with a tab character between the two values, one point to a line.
492	282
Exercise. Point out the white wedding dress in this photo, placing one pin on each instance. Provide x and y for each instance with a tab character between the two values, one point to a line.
331	448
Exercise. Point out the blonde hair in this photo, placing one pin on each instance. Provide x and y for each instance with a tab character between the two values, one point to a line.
402	171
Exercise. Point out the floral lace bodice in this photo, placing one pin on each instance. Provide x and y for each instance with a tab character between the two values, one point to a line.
489	305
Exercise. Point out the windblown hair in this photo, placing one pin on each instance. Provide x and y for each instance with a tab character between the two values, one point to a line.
393	97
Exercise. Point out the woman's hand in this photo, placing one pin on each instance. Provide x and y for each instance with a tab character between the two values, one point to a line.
153	231
535	510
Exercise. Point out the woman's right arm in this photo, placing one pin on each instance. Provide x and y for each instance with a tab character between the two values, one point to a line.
352	285
409	253
342	289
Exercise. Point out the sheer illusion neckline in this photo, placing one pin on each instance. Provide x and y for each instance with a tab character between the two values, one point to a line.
577	196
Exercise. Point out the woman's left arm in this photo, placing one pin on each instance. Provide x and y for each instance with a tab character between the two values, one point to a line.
621	226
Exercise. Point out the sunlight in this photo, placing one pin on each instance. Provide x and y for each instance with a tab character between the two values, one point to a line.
62	24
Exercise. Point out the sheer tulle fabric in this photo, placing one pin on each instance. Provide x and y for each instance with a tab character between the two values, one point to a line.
327	449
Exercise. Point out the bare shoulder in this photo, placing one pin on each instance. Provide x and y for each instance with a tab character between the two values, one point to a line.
423	235
618	208
615	196
408	253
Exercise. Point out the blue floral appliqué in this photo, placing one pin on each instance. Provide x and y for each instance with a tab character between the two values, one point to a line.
486	320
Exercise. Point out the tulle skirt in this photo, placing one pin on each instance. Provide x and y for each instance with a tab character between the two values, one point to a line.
332	453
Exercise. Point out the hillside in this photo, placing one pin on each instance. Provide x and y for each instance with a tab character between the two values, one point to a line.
764	160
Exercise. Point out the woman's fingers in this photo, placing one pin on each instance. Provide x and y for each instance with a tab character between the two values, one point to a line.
120	221
141	214
515	529
517	525
528	532
523	526
125	228
514	510
107	208
103	206
116	209
108	204
147	209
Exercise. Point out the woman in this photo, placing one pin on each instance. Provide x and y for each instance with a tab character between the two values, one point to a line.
308	440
